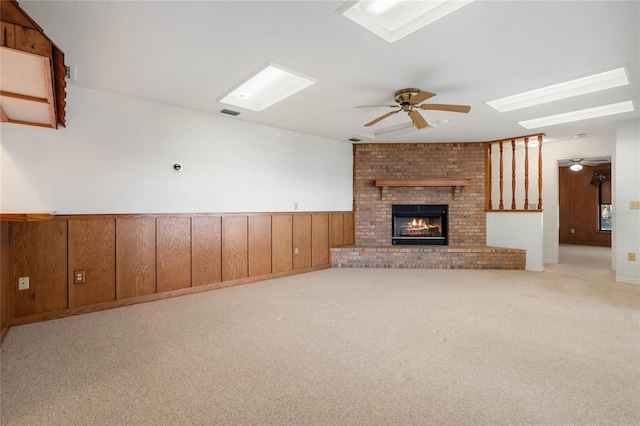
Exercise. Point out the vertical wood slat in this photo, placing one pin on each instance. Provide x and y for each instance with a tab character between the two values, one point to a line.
488	179
349	229
539	172
91	248
513	174
206	250
282	243
173	253
135	257
336	229
501	206
260	249
234	248
526	173
47	273
302	241
320	239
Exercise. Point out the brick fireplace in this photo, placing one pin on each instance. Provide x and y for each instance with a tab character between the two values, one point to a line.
466	215
466	218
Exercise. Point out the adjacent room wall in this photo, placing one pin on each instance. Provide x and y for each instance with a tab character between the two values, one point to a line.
626	180
116	156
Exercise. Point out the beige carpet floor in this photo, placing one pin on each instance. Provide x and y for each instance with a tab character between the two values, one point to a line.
344	347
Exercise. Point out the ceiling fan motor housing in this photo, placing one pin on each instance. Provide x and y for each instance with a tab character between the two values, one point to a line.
403	96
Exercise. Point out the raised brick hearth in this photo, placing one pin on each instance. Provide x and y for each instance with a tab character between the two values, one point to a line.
428	257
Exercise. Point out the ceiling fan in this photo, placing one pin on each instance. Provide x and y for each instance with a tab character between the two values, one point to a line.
408	100
577	163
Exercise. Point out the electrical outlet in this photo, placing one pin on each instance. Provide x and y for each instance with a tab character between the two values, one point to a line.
634	205
573	231
23	283
631	257
79	277
296	250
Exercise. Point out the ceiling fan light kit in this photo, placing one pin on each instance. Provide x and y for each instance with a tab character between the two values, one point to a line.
408	100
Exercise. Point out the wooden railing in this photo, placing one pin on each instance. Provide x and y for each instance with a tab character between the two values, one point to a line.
517	150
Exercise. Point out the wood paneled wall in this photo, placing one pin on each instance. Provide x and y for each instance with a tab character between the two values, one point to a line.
136	258
579	207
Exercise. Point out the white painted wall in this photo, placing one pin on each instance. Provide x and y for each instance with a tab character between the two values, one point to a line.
518	230
602	145
116	156
626	178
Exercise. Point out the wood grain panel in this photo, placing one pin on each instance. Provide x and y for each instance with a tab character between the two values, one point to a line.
578	209
5	275
259	245
320	239
336	229
39	251
282	243
349	229
135	257
301	241
173	253
92	249
234	248
206	254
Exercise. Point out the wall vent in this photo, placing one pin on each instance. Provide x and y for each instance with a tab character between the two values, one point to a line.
355	140
230	112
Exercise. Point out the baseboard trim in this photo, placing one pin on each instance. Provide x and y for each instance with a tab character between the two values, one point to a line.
63	313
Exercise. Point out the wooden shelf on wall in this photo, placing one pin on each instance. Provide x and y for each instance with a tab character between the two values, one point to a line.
25	216
437	182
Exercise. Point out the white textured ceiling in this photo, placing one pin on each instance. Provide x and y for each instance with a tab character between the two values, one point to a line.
188	53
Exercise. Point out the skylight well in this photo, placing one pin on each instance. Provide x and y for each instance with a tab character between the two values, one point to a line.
584	114
268	85
395	19
580	86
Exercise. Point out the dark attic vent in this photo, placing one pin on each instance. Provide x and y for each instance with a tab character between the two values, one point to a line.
230	112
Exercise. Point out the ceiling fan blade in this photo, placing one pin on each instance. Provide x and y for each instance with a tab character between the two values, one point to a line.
590	163
385	105
420	97
382	117
445	107
418	120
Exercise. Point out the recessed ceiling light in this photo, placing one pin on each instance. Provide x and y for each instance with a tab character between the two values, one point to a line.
269	84
579	86
568	117
395	19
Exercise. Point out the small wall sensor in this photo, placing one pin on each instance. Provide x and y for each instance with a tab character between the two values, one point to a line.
177	167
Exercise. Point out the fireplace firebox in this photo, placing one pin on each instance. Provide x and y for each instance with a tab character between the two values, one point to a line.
419	224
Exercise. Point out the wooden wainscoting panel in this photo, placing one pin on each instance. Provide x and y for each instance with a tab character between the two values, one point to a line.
92	250
259	245
349	229
39	253
234	248
5	275
206	251
282	242
174	253
301	241
320	239
135	257
336	229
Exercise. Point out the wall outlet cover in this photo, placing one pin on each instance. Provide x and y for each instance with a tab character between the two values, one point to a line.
23	283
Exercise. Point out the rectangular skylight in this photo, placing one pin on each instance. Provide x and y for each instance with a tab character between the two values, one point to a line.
584	114
269	84
580	86
395	19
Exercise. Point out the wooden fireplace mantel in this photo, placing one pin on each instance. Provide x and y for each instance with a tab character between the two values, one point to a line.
437	182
